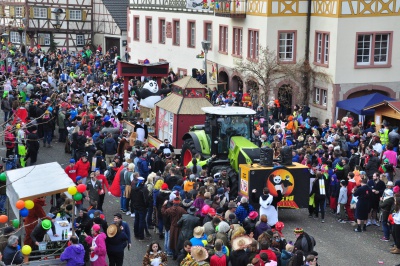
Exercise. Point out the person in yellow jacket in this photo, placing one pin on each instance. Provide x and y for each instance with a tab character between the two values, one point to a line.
384	135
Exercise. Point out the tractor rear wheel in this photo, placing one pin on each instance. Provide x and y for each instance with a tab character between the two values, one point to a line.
188	151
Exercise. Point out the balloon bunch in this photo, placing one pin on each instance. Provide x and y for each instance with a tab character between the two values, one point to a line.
76	191
24	207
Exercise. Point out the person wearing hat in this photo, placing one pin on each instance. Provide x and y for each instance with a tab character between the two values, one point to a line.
239	256
231	209
243	210
162	196
174	213
70	170
304	241
249	224
97	243
116	242
386	204
74	253
40	231
7	232
187	223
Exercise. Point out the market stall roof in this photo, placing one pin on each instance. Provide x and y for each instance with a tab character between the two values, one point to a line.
188	82
183	106
395	105
357	105
36	181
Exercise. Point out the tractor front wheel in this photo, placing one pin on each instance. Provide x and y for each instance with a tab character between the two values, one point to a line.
188	151
232	178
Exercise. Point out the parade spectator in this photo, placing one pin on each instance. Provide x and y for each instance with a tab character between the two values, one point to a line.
363	193
97	243
74	254
155	256
11	254
116	242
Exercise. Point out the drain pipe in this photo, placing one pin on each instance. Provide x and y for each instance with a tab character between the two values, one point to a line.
306	64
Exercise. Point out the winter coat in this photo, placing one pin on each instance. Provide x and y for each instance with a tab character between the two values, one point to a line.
162	196
82	169
174	213
140	197
305	243
261	228
74	255
386	207
93	190
372	166
110	146
117	243
143	167
249	225
342	195
239	258
187	223
181	191
98	255
285	257
12	256
243	211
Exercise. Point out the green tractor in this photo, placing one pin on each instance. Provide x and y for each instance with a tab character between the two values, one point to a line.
227	133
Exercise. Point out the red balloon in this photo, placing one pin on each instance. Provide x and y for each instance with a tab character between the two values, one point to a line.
3	219
81	188
20	204
102	216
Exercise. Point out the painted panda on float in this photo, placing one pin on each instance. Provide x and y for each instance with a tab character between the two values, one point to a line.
150	94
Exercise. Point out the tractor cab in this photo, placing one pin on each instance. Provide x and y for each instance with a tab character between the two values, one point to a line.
223	123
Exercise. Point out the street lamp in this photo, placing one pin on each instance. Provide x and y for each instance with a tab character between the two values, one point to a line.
206	46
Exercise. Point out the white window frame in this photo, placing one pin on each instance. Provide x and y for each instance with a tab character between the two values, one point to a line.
15	37
46	38
317	95
238	41
177	29
208	31
192	36
80	40
39	12
286	46
18	11
223	39
324	96
137	25
149	25
163	30
253	44
75	14
322	49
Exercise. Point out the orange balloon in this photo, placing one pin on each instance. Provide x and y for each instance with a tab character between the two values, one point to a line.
20	204
3	219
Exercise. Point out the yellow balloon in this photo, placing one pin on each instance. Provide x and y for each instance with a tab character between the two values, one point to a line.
26	250
72	190
29	204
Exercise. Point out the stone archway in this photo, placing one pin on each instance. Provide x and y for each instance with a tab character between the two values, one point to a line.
223	77
236	83
285	97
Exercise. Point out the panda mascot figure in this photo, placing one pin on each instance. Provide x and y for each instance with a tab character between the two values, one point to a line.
150	94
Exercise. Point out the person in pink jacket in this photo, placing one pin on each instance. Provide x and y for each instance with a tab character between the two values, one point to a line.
98	250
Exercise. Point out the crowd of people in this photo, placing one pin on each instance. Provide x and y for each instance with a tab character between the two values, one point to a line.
197	219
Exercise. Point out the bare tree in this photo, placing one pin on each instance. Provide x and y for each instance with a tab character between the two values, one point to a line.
267	71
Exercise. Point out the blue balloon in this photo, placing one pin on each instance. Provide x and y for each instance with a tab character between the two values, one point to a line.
24	212
19	247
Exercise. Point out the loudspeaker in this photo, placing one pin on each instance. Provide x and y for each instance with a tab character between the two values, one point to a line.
286	156
266	156
194	72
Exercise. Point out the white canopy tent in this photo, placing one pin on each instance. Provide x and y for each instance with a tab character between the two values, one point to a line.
36	181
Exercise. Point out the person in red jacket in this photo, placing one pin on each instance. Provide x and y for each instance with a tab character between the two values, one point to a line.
104	185
70	170
82	168
350	185
219	258
10	140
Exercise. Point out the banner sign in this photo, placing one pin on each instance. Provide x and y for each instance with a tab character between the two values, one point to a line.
198	4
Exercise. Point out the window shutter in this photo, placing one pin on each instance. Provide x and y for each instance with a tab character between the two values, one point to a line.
1	11
27	39
67	14
84	15
12	11
31	12
23	12
49	13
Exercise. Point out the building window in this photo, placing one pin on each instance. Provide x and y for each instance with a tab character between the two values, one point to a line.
223	39
149	30
75	15
15	37
322	48
176	32
287	46
374	49
161	29
320	96
192	34
237	41
18	11
44	38
80	40
39	12
208	32
136	28
253	44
